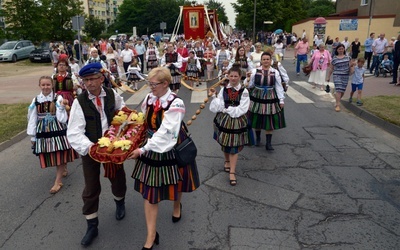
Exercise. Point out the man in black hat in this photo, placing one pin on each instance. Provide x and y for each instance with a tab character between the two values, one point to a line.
91	115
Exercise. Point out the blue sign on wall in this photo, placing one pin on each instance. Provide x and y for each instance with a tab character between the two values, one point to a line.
348	24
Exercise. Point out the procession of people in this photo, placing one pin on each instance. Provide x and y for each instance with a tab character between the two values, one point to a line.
76	107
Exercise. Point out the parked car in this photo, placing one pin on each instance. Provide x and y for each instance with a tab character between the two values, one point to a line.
41	53
15	50
166	38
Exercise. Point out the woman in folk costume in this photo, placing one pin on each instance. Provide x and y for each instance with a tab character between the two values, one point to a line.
242	61
156	173
267	100
47	124
193	68
230	124
173	61
65	83
152	56
199	51
184	53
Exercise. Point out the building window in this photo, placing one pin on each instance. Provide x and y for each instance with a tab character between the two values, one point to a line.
364	2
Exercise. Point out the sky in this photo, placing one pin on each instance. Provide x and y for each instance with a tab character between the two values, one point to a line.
228	10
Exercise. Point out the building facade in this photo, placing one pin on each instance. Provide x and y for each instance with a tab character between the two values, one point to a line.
355	19
106	10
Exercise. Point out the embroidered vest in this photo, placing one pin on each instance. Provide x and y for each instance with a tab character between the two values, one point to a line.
93	129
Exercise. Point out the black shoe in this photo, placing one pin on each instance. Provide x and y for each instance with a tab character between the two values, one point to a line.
176	219
392	82
156	241
120	211
91	232
268	145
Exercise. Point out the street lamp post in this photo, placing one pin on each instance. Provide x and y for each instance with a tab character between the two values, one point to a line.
370	17
254	21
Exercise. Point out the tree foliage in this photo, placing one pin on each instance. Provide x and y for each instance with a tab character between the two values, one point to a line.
215	5
94	26
283	13
40	20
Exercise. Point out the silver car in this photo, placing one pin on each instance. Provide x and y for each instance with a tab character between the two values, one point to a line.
15	50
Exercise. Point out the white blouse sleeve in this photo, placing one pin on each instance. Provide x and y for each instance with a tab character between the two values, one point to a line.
218	104
76	130
165	138
32	120
61	113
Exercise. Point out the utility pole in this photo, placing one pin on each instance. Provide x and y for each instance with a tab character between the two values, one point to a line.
254	21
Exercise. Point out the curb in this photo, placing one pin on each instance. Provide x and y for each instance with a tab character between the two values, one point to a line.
19	137
371	118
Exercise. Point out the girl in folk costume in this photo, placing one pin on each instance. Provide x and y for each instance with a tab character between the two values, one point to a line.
152	56
193	68
66	83
184	53
199	51
242	61
47	124
173	61
230	124
134	72
267	100
222	55
115	70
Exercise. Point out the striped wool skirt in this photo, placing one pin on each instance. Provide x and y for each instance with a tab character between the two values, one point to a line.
52	145
230	133
264	111
158	177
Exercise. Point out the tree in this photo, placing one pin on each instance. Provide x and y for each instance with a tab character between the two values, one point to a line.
60	17
214	5
23	20
94	26
321	8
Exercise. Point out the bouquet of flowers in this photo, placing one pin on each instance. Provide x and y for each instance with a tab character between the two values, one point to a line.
127	132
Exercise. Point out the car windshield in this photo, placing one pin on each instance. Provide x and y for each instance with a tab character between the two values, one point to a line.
9	45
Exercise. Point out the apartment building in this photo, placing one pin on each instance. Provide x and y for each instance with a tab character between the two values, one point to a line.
106	10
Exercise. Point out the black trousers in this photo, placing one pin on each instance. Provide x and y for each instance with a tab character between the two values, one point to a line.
141	62
126	65
395	69
92	190
368	56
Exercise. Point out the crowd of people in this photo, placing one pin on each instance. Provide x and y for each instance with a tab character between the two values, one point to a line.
77	103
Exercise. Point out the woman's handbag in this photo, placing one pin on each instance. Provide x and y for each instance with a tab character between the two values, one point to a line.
307	69
186	151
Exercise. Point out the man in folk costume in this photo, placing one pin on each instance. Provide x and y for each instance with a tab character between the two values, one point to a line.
91	115
173	61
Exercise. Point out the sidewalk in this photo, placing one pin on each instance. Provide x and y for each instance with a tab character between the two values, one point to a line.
373	86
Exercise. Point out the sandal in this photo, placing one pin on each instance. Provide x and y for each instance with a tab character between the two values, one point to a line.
56	188
227	169
233	182
337	108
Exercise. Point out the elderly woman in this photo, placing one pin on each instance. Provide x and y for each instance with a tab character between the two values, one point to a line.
320	61
156	173
341	68
111	54
256	55
222	55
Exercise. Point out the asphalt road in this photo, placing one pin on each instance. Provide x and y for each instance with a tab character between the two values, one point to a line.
331	183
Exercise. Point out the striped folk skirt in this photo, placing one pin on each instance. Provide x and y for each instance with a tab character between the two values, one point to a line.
230	133
264	111
52	145
157	177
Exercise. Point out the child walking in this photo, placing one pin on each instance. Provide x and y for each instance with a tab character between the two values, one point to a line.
357	81
230	123
134	72
47	124
193	68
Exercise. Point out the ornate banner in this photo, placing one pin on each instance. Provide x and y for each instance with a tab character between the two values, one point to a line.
193	22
